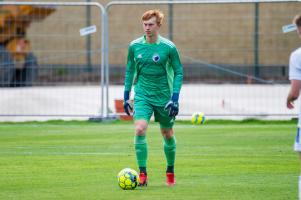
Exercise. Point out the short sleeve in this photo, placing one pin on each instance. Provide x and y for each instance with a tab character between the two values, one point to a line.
295	67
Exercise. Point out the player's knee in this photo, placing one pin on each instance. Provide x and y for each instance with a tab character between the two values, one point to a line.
140	129
167	133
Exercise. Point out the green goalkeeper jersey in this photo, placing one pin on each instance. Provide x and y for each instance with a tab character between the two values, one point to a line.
156	69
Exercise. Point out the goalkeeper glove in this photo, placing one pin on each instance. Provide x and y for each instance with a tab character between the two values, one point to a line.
172	106
126	104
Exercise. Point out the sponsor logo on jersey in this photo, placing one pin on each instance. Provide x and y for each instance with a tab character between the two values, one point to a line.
156	57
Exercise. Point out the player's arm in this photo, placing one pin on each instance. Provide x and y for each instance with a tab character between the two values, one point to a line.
128	81
178	73
178	70
295	77
293	93
173	106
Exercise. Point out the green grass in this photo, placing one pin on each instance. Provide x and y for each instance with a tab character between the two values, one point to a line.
80	160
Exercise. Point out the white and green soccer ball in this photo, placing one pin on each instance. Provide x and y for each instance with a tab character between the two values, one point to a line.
198	118
128	179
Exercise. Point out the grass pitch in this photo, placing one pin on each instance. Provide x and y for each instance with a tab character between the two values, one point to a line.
80	160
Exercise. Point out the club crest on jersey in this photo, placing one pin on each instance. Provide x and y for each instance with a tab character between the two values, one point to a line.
156	57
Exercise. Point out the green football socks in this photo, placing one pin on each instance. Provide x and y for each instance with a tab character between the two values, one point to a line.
170	152
141	150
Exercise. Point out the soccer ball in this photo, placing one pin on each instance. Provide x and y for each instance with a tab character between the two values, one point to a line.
128	179
198	118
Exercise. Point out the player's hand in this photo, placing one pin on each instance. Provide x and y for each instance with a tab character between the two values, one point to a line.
172	108
126	103
290	104
127	107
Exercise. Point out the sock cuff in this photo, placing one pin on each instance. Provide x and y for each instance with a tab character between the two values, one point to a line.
170	141
140	139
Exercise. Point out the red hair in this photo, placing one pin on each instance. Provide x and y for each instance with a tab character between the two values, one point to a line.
153	13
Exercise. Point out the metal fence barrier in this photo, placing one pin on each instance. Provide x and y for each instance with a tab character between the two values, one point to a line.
67	59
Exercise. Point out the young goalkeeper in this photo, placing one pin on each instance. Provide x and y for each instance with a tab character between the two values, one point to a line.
295	78
154	63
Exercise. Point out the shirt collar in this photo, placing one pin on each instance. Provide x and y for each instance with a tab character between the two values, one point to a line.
157	42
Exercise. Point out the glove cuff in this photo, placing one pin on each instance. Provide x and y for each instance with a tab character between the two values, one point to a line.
175	97
126	95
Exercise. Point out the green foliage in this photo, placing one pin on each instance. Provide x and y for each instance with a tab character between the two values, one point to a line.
81	160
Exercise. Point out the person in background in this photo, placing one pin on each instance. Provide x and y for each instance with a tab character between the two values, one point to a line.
295	78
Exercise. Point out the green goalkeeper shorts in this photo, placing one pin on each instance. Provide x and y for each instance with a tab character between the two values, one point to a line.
143	110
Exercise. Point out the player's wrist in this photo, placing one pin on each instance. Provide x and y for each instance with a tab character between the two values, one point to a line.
126	95
175	97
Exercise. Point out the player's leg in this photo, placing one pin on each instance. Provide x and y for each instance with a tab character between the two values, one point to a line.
142	114
141	149
170	154
297	148
169	144
299	181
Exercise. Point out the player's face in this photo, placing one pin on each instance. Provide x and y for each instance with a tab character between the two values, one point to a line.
150	27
